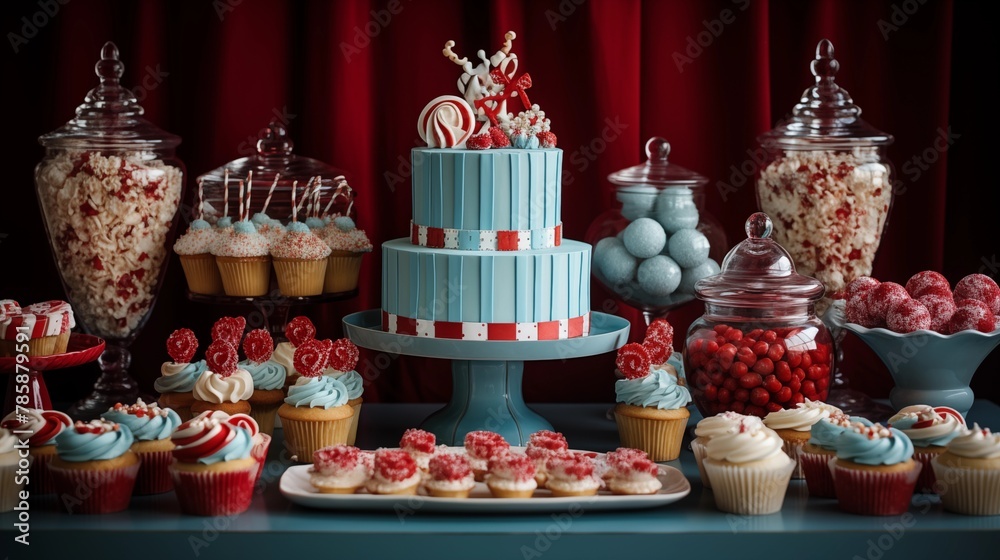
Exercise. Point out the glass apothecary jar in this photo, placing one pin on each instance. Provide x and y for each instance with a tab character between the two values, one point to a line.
759	347
657	241
827	182
109	187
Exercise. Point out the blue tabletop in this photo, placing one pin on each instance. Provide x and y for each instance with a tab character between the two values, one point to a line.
153	526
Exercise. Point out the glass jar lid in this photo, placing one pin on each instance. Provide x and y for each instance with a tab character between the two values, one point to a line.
657	171
825	114
110	116
758	273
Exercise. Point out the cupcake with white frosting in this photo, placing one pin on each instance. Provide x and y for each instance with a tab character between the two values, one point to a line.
449	476
793	425
511	475
707	428
748	469
224	385
394	472
930	429
968	473
340	469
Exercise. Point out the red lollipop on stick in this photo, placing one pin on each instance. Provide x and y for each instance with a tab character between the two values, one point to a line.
182	345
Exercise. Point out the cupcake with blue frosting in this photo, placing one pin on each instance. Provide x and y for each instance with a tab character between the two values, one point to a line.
151	427
651	410
820	449
930	429
268	378
874	472
94	469
343	359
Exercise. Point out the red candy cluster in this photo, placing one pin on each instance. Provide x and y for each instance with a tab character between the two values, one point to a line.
418	440
757	371
229	329
520	467
576	465
659	341
221	358
341	456
181	346
926	303
449	466
394	465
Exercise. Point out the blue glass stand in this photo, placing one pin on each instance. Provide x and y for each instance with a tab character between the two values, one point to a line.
486	375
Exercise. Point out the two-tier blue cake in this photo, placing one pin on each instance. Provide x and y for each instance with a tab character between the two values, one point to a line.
485	259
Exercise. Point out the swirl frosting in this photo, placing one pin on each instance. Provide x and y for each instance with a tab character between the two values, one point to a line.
446	122
267	376
750	443
146	422
7	441
925	426
179	378
801	418
873	445
658	389
214	388
284	355
317	392
977	443
43	425
825	432
722	423
352	380
198	240
98	440
210	439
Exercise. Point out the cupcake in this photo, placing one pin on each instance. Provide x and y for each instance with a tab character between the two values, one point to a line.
315	413
340	469
820	449
94	469
420	445
47	326
11	462
348	245
511	475
793	425
449	476
213	470
631	472
542	445
748	469
300	261
874	472
651	412
195	251
343	360
571	474
42	427
723	423
394	472
244	261
968	473
297	331
481	446
930	429
260	442
271	229
268	378
223	386
151	427
177	378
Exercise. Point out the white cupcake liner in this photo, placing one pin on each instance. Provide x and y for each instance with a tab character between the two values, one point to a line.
749	490
698	448
968	491
794	451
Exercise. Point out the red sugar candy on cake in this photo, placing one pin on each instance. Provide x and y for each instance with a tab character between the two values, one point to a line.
908	316
449	466
221	358
979	287
182	345
299	330
418	440
927	282
394	465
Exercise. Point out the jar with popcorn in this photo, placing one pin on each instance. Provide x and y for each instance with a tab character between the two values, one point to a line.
827	182
109	188
658	241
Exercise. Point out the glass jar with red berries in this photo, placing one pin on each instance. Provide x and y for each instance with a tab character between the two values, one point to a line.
759	347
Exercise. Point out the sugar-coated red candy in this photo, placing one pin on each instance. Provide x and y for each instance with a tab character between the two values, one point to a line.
908	316
658	353
310	358
979	287
633	361
661	331
575	465
479	142
344	355
229	329
883	298
258	346
861	285
972	314
547	435
182	345
299	330
519	467
449	467
927	282
547	139
394	465
497	137
221	358
858	311
418	440
941	308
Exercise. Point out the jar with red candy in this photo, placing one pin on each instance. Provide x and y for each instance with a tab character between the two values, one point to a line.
759	347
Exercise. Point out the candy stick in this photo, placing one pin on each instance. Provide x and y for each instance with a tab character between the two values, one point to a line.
267	201
249	191
295	209
318	197
225	194
241	199
201	199
303	199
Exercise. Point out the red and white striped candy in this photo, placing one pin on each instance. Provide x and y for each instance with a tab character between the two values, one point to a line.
446	122
48	318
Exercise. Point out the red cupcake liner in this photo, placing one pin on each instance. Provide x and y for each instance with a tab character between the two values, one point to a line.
215	493
816	469
40	480
154	475
259	452
925	483
874	492
94	491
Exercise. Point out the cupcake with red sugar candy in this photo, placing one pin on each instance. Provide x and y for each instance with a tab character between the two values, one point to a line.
97	456
343	359
511	475
268	378
340	469
631	472
151	427
449	476
421	445
394	472
298	330
177	378
542	445
481	446
43	427
213	470
571	474
224	385
651	412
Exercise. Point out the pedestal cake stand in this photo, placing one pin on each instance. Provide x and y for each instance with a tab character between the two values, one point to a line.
82	349
486	375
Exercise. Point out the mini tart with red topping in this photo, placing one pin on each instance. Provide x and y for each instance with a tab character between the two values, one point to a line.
394	472
481	446
449	476
542	445
571	474
340	469
511	475
420	444
631	472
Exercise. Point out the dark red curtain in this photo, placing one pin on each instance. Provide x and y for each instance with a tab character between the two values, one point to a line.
350	78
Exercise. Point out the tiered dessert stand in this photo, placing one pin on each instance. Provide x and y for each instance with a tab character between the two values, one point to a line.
82	349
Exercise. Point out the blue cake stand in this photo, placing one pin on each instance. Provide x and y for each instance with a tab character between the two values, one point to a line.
486	375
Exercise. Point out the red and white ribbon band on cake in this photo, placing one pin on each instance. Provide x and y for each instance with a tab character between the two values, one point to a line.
485	240
49	318
544	330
